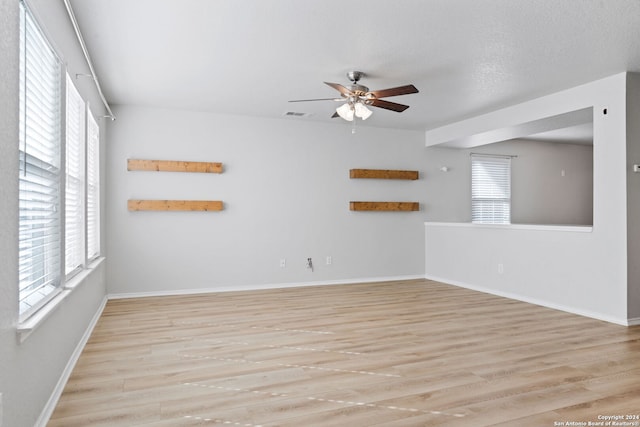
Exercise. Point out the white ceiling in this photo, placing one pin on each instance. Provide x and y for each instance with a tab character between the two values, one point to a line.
467	57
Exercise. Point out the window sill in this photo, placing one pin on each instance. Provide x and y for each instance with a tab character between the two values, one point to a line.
27	326
568	228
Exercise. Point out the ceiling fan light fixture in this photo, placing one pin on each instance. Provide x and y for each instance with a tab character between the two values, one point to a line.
346	112
362	111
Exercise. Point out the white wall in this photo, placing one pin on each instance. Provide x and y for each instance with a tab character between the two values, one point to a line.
580	272
29	371
540	194
286	190
552	183
633	194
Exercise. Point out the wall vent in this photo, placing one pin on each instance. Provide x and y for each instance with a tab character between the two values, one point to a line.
296	114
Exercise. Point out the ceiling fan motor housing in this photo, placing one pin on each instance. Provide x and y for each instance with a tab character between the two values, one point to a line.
358	90
355	88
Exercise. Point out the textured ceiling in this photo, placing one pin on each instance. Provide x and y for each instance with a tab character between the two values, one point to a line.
467	57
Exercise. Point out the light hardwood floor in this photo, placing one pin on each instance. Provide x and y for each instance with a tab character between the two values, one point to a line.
406	353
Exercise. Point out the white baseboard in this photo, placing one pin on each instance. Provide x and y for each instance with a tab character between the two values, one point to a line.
48	409
261	287
634	321
572	310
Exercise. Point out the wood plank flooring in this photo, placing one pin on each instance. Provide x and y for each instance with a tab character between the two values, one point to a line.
406	353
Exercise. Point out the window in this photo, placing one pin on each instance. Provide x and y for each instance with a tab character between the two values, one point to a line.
93	188
52	192
39	189
490	189
74	181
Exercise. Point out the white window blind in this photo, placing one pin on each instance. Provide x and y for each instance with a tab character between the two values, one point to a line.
39	188
74	180
93	187
490	190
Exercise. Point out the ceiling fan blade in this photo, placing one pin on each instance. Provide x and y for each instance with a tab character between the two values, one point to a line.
387	105
394	91
317	99
343	90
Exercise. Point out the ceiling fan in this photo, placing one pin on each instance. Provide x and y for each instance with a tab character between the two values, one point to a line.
357	98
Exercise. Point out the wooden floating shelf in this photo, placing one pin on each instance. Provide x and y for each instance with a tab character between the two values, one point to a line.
175	205
173	166
383	174
384	206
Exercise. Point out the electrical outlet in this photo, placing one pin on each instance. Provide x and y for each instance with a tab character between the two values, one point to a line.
283	262
309	264
500	268
329	260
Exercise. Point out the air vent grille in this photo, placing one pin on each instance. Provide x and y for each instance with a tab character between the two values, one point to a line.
296	114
